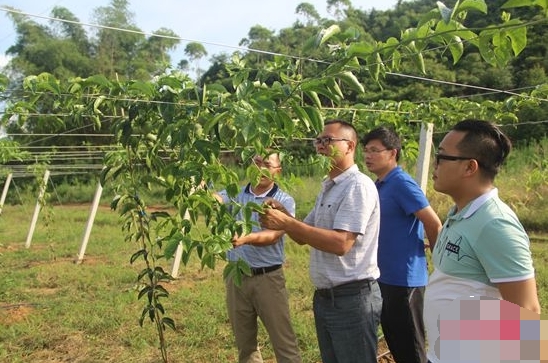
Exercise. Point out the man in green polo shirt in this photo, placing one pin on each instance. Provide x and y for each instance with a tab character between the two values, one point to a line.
482	249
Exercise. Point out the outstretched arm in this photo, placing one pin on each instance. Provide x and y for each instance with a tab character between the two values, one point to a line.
265	237
327	240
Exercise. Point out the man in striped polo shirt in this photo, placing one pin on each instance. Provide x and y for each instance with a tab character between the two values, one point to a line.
343	231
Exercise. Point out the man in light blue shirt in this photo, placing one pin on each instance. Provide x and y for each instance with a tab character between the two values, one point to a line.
262	295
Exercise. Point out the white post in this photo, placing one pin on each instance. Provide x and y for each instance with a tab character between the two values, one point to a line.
177	261
178	256
37	208
89	225
5	191
425	148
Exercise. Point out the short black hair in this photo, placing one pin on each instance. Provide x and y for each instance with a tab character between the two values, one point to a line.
388	137
347	126
485	142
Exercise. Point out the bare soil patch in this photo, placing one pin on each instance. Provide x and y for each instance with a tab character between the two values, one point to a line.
13	313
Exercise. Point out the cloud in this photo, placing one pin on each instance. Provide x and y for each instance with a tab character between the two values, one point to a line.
3	60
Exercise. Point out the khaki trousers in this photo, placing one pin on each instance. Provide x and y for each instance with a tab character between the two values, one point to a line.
265	297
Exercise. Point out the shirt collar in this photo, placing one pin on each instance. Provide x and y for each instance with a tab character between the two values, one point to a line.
474	205
345	174
269	193
388	176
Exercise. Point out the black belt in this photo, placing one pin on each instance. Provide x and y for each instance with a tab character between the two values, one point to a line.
263	270
346	289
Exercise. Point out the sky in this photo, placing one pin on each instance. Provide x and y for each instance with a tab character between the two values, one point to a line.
218	24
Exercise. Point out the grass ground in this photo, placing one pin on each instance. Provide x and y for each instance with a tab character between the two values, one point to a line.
53	310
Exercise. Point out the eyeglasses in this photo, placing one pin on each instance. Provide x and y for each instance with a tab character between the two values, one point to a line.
324	141
439	157
450	157
373	150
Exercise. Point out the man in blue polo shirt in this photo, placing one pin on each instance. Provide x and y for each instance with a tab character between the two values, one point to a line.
405	215
262	295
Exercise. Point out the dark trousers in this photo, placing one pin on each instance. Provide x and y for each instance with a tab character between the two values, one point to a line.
402	322
347	320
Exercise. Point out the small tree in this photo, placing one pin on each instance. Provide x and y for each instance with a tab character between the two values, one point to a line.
195	51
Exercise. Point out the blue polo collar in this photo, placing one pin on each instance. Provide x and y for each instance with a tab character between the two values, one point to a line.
270	194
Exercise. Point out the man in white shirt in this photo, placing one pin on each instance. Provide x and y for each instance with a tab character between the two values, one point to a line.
343	231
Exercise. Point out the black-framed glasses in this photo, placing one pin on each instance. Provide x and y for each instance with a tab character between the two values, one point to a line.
450	157
439	157
324	141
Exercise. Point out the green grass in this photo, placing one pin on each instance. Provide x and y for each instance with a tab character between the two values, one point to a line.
53	310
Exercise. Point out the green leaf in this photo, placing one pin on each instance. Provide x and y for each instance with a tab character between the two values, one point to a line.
314	97
390	52
316	118
334	87
448	37
446	13
325	34
97	104
209	150
301	114
243	267
168	322
102	179
543	4
229	269
138	254
160	307
360	49
208	260
517	3
143	316
467	5
144	291
455	46
99	80
146	88
161	291
518	36
352	81
416	57
142	274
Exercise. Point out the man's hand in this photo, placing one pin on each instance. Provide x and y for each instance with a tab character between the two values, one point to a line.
274	218
238	240
274	204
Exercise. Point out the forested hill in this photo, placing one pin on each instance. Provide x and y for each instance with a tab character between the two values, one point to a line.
529	69
471	78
